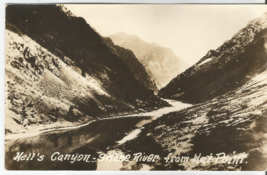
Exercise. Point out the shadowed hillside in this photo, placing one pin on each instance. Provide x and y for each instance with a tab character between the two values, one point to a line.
222	70
132	62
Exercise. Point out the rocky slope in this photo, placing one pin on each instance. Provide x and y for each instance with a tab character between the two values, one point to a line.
234	124
222	70
160	62
59	71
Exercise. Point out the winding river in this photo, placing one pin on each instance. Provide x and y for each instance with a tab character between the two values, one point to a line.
47	151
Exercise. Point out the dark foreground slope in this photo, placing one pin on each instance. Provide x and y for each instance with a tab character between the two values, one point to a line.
224	69
160	62
59	70
232	127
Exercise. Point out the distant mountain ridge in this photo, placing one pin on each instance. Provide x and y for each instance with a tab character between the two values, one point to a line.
222	70
160	62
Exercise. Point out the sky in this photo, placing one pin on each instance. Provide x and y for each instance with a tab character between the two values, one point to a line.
189	30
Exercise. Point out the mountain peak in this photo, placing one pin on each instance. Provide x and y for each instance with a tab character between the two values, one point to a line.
125	35
161	63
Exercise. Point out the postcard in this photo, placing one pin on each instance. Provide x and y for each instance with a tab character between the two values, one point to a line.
119	87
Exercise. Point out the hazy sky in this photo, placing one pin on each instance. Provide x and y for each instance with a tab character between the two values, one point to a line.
189	30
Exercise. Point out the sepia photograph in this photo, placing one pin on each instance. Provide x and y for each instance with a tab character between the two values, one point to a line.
135	87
